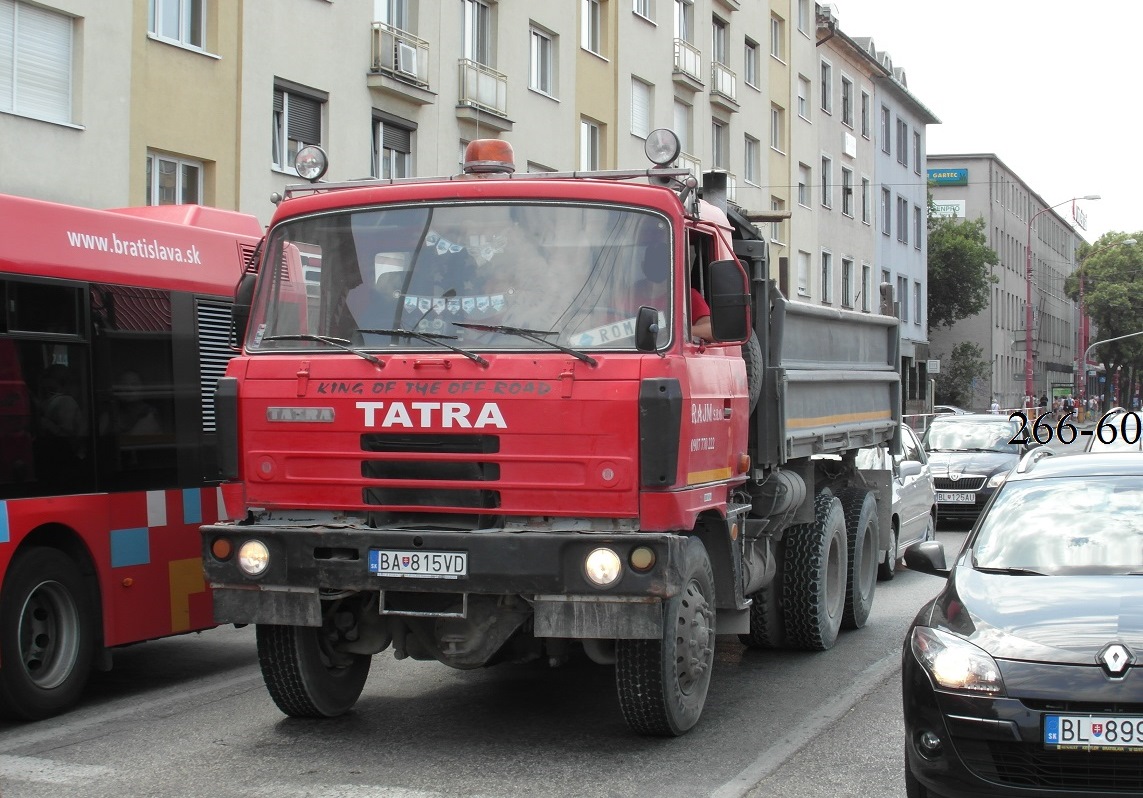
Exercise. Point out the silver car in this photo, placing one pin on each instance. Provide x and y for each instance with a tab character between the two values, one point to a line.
914	497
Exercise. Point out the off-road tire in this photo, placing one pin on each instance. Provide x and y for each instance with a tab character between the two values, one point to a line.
752	354
303	677
662	683
863	532
814	582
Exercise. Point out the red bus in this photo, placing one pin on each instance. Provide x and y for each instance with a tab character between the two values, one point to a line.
114	331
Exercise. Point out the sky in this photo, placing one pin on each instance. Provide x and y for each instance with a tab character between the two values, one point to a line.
1048	86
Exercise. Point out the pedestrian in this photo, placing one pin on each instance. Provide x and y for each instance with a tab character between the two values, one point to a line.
994	408
1043	404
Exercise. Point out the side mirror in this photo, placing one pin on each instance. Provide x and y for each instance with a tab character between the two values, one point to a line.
647	329
909	468
927	557
729	301
240	312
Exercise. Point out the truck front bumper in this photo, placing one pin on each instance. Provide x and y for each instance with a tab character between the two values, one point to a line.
309	563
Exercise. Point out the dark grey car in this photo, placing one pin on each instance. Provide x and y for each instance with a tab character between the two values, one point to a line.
969	456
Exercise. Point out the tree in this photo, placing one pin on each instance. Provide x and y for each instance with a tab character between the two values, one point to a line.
955	383
960	277
1112	279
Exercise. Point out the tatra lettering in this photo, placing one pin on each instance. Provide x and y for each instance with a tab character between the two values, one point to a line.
422	415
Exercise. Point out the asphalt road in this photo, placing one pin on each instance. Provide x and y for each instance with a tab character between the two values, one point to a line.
190	717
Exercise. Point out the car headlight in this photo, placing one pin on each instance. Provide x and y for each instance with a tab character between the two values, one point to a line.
955	664
997	479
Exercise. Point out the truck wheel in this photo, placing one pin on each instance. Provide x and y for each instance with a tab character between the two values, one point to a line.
662	683
863	531
47	635
767	629
813	587
752	354
305	677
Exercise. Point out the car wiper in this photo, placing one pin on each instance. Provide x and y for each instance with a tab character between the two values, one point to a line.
340	343
1009	571
432	338
531	335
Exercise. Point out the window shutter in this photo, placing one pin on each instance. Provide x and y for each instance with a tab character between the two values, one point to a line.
640	108
396	138
36	78
304	122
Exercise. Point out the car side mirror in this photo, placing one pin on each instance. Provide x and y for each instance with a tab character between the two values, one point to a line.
240	311
910	468
927	557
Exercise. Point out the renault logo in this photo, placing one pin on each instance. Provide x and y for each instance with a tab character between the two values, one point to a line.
1115	658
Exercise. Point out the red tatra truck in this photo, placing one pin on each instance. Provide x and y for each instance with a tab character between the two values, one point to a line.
475	422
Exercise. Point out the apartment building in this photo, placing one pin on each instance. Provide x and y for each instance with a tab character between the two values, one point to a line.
972	186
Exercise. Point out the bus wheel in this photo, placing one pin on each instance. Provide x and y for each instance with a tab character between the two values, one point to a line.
47	636
306	677
814	582
663	683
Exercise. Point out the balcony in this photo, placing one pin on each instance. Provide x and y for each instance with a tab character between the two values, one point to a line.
483	95
723	86
686	161
688	65
400	64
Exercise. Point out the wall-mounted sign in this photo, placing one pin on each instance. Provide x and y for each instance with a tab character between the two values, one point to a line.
951	208
949	177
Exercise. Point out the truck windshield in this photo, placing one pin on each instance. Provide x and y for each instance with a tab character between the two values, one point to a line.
574	275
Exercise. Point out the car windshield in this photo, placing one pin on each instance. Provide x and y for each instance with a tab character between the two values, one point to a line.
1088	525
481	276
961	435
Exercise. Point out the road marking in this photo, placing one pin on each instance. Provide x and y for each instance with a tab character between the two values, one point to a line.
45	771
827	714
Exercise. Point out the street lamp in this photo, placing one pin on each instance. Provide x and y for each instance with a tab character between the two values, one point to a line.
1028	280
1083	320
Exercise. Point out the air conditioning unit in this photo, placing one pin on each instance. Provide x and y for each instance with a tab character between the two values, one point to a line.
406	59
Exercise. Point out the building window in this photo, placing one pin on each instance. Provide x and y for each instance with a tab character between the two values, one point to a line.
865	121
886	211
392	147
847	191
916	303
36	51
847	101
685	20
777	128
684	116
827	277
394	13
903	220
641	94
803	97
718	145
918	226
903	298
804	16
179	21
776	204
642	8
751	156
750	64
902	143
827	182
718	53
827	87
777	37
592	26
589	144
866	286
917	151
478	32
173	181
886	133
804	185
803	273
847	282
542	76
866	200
297	122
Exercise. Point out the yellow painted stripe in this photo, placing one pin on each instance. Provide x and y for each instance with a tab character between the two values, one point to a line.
698	477
186	578
843	418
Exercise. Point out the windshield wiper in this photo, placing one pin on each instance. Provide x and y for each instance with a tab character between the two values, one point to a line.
531	335
1015	571
432	338
340	343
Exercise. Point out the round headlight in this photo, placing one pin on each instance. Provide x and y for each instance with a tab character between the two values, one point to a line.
662	146
253	557
603	567
311	162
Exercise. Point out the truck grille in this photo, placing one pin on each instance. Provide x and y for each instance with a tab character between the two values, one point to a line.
436	459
